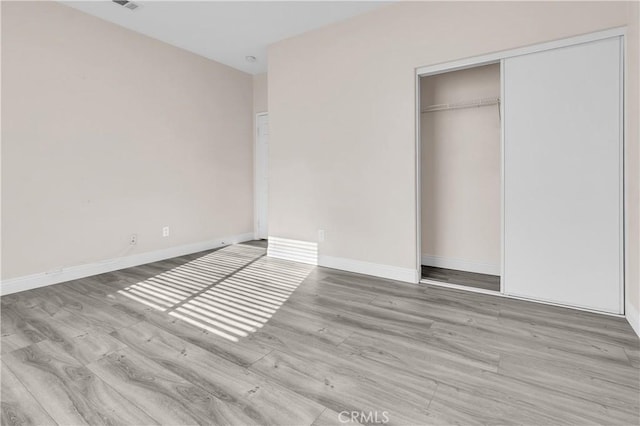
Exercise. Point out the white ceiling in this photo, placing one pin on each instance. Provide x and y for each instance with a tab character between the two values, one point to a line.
226	31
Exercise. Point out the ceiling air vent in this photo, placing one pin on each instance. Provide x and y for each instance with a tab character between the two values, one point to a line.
128	4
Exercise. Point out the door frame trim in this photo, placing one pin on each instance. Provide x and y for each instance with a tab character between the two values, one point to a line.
495	57
256	137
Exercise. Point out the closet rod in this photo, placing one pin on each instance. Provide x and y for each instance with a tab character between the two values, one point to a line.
460	105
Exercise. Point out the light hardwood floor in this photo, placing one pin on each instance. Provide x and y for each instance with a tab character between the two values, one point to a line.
233	337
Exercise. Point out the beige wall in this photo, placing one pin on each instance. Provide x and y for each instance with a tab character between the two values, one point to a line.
461	160
107	133
343	147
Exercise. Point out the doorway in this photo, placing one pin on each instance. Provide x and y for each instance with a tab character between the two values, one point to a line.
461	177
261	176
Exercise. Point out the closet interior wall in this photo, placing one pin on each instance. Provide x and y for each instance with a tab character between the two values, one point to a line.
461	170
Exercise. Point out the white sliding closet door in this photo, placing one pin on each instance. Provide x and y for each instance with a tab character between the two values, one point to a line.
562	176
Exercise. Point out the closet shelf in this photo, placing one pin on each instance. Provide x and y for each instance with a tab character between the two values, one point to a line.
460	105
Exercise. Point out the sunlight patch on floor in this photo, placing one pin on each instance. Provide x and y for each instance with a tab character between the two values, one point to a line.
231	292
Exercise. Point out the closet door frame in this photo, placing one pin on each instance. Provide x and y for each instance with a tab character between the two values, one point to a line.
499	57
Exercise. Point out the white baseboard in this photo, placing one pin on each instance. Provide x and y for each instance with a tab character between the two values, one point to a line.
631	313
295	250
307	252
367	268
460	264
27	282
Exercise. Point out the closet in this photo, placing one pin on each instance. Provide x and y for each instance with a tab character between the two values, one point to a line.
460	162
521	173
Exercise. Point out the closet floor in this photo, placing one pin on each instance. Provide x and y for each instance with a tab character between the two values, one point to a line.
469	279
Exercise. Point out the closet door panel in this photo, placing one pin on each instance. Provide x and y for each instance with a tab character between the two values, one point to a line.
562	176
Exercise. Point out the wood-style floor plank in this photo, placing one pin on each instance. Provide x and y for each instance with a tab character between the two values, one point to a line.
569	323
260	400
457	406
342	389
18	405
169	398
435	312
16	332
511	401
512	393
516	338
242	353
301	345
566	377
69	392
634	356
331	418
356	316
308	346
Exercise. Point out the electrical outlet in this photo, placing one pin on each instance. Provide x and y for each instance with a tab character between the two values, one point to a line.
165	231
320	235
133	240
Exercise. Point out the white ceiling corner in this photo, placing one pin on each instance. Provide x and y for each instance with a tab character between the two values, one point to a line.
226	31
